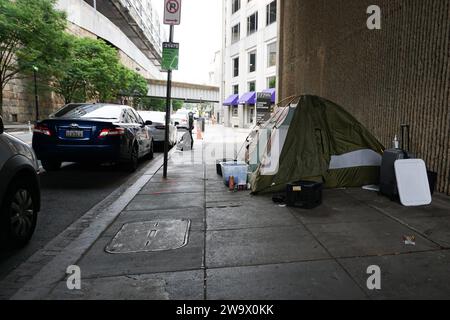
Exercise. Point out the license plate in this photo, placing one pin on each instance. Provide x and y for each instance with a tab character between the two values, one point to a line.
74	134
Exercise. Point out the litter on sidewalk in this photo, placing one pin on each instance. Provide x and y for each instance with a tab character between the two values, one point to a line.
409	240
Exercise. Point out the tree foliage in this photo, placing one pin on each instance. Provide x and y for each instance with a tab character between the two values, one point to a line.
158	104
31	35
94	72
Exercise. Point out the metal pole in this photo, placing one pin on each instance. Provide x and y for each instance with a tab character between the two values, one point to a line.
36	98
168	103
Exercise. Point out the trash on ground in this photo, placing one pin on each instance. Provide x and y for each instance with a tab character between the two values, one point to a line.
409	240
279	198
372	187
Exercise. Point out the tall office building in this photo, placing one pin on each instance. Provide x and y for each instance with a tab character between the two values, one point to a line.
249	58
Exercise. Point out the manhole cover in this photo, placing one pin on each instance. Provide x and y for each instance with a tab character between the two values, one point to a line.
150	236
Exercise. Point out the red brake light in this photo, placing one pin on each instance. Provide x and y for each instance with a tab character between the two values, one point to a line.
111	132
42	129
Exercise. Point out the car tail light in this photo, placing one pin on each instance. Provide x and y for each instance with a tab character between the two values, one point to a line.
42	129
111	132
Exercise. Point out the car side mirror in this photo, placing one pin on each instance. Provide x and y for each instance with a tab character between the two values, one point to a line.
2	127
148	123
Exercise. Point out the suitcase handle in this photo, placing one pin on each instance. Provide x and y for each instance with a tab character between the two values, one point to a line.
405	133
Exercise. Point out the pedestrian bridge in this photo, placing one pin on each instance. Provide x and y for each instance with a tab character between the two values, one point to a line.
190	93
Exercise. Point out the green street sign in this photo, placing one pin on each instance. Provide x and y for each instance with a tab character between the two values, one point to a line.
170	56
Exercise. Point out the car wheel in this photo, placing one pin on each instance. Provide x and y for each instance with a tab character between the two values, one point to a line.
134	159
151	154
19	213
50	165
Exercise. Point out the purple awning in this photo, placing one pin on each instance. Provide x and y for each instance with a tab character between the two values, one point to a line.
272	92
231	100
248	98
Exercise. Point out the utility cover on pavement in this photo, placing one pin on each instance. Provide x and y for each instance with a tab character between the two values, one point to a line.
150	236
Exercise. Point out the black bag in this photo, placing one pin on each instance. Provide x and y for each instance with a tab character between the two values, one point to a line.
388	181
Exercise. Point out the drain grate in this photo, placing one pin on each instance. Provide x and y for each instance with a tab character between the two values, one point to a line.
147	236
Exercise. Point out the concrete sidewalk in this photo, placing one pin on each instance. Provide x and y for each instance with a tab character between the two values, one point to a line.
239	246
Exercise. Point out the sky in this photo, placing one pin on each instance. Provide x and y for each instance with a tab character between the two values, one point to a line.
199	35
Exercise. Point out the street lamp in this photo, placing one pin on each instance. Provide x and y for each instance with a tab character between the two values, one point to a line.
36	98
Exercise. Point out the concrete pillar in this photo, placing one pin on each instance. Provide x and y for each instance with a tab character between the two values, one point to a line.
226	116
241	115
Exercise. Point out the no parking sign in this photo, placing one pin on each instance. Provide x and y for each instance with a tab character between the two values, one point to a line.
172	12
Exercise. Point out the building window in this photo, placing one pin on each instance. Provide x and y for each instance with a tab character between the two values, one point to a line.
236	5
236	33
235	89
271	12
236	67
235	111
252	86
271	82
252	61
252	23
271	54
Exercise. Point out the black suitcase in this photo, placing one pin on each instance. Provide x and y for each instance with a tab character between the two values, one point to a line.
388	182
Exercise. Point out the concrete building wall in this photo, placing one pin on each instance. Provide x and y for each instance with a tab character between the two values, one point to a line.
86	17
399	74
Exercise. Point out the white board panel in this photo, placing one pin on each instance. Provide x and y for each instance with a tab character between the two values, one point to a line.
412	182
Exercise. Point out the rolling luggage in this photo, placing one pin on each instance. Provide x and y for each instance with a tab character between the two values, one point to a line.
388	182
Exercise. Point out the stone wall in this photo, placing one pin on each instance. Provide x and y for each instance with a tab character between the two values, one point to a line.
19	101
399	74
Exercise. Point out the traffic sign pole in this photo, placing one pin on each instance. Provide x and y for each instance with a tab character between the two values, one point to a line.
168	102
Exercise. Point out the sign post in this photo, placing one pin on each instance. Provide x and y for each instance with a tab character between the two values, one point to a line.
170	56
263	106
172	15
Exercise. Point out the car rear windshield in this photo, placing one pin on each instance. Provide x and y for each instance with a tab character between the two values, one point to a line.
94	111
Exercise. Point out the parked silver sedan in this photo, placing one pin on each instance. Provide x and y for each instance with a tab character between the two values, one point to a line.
159	126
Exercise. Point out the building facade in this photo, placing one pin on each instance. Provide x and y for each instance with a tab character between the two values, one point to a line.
249	58
396	75
131	26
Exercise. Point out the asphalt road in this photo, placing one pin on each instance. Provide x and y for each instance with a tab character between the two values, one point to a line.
66	195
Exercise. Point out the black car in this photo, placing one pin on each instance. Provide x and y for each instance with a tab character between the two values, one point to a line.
92	133
20	196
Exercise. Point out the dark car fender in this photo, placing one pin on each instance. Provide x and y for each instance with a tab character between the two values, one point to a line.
12	168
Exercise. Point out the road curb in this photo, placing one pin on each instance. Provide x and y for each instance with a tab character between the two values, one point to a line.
27	283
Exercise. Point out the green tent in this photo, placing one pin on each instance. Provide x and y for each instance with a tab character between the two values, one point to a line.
313	139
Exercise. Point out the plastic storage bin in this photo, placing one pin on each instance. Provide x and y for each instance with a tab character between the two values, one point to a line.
219	165
304	194
237	169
